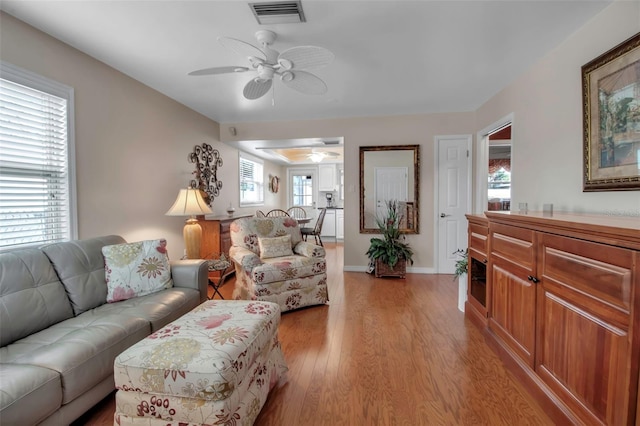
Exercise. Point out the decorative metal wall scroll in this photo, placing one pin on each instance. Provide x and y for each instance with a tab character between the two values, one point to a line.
207	161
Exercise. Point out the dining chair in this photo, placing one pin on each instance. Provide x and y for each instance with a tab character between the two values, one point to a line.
277	213
297	212
316	230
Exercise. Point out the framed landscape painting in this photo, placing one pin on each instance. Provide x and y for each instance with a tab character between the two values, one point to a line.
611	119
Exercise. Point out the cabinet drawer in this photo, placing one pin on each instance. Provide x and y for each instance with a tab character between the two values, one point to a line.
478	237
513	244
594	276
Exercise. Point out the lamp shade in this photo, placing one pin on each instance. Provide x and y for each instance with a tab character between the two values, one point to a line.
189	203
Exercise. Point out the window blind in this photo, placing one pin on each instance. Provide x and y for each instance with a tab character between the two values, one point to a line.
251	182
34	169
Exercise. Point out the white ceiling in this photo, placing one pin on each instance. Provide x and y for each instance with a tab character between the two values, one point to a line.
391	57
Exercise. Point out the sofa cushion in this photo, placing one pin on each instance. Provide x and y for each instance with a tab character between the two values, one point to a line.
136	269
275	247
32	297
29	394
81	349
158	308
287	268
80	267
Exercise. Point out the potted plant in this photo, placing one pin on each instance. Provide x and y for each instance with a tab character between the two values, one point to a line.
460	273
388	256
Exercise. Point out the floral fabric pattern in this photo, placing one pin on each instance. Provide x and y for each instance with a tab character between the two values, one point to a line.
215	365
136	269
292	281
275	247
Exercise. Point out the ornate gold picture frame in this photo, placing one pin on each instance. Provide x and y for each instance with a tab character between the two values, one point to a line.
611	119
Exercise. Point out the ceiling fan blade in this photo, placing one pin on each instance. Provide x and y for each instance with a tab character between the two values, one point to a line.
303	57
218	70
256	88
241	48
304	82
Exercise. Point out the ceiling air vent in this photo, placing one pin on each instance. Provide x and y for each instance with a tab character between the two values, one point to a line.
282	12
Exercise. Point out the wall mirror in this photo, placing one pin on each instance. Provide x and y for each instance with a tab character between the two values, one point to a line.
386	173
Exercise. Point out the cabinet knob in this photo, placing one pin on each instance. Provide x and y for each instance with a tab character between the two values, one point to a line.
485	261
532	279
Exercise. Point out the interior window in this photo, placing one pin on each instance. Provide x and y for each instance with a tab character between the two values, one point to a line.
37	180
251	181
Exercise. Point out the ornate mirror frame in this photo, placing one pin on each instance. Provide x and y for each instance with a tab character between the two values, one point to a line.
368	157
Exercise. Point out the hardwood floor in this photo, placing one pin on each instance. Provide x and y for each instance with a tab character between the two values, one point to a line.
385	352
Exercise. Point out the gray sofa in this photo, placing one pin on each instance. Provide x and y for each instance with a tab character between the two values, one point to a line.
59	337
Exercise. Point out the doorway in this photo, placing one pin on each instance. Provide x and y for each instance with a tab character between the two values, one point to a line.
452	198
499	183
481	186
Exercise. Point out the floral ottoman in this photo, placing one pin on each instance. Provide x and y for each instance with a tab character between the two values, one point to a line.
214	365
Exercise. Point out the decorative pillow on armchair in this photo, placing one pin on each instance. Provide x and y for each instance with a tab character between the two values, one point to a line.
136	269
275	247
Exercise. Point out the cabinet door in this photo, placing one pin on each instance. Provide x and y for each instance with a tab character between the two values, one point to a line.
513	294
340	224
329	224
326	177
586	297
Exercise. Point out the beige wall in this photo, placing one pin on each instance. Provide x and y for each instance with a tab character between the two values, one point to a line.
131	142
547	133
371	131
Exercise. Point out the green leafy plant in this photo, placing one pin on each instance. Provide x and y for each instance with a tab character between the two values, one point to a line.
391	247
462	264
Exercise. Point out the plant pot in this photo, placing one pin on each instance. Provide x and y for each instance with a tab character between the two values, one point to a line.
462	291
384	270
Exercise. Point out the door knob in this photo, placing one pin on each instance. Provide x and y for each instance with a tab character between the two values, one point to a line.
444	215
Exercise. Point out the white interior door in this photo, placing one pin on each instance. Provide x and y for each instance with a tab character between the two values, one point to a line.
453	198
391	184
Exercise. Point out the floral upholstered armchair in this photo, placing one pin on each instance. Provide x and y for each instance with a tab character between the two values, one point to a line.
274	264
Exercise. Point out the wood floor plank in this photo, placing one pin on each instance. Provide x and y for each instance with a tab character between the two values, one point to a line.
385	352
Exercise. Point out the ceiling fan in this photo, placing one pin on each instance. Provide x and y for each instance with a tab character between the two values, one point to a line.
289	65
318	156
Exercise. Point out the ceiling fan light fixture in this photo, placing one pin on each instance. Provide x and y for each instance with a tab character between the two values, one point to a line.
316	157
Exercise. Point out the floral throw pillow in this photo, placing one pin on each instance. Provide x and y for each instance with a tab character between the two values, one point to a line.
136	269
275	247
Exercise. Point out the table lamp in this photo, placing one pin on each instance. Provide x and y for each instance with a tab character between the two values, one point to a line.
190	203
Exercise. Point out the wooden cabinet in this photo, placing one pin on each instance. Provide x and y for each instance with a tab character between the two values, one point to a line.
565	306
513	295
584	323
477	285
216	235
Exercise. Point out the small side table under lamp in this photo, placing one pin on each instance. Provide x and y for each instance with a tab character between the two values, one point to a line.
190	203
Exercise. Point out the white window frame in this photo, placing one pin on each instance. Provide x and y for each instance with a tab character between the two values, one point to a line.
34	81
257	161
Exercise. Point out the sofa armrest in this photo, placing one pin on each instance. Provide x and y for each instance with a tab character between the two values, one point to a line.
244	258
191	273
307	249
